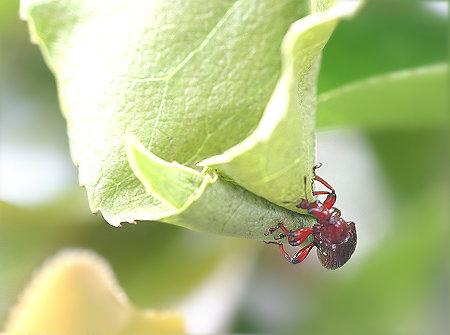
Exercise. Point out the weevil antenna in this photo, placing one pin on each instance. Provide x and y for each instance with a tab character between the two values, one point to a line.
315	167
304	184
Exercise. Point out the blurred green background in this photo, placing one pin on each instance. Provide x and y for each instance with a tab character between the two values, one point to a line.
393	182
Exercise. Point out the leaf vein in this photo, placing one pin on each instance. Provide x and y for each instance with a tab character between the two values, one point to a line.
191	54
158	116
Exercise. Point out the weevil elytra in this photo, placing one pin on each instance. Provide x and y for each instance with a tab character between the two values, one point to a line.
334	238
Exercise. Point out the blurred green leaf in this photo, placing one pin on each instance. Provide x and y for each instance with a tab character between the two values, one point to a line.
202	201
392	282
29	236
414	98
400	274
28	92
386	36
75	292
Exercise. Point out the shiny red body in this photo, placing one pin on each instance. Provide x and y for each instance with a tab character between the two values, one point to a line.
334	238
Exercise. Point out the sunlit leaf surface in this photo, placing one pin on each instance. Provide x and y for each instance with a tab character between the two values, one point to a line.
176	74
188	84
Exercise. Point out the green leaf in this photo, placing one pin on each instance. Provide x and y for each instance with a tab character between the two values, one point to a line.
31	235
386	36
173	184
189	82
190	79
274	160
414	98
411	258
205	202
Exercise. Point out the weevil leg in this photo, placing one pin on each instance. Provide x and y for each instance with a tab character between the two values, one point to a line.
295	237
273	229
298	257
331	196
279	236
330	200
320	192
302	254
298	236
324	183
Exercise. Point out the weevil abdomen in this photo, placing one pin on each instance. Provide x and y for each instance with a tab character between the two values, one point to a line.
334	253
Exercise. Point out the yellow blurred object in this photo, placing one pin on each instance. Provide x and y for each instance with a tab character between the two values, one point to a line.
76	293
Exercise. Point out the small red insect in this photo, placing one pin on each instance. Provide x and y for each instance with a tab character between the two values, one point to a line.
334	237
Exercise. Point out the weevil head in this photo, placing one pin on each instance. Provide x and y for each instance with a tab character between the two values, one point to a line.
335	242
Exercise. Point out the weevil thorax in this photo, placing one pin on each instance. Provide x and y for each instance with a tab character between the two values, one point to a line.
335	240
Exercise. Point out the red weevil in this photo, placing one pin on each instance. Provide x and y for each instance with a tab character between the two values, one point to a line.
334	237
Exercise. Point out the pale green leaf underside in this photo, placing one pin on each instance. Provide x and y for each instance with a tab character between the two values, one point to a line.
273	161
173	184
416	98
205	202
189	79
